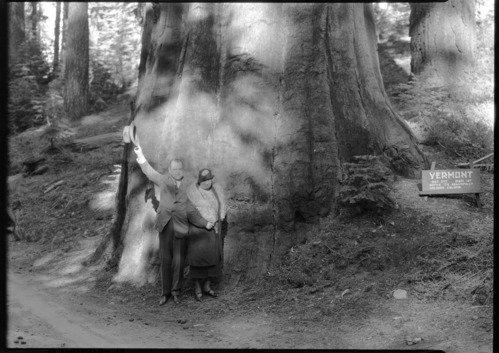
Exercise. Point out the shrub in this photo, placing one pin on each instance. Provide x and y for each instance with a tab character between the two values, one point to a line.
30	61
366	186
103	87
23	104
461	135
27	77
457	117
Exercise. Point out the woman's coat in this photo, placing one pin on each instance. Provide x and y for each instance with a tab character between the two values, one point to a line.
205	246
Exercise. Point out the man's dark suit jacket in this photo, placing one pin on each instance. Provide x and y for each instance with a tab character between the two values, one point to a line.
172	202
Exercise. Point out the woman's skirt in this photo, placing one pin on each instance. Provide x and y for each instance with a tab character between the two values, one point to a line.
196	272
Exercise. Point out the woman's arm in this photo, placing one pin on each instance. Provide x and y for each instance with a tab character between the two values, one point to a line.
195	217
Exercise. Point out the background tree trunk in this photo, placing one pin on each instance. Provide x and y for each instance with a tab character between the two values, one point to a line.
121	39
16	29
57	31
34	20
443	39
62	62
274	98
76	61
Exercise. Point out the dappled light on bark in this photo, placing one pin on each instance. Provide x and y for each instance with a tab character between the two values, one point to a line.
138	252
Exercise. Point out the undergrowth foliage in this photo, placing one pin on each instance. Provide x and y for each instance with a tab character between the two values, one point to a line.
366	186
433	257
341	251
28	76
455	117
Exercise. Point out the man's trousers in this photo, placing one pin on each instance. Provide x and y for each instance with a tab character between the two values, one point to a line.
172	251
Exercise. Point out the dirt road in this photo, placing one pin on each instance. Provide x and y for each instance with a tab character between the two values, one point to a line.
42	314
36	320
42	318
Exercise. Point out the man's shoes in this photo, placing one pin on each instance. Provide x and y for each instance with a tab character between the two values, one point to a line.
198	296
176	300
163	299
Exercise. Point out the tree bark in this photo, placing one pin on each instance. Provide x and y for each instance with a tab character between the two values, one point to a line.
443	39
57	31
274	98
62	62
34	19
121	43
76	61
16	29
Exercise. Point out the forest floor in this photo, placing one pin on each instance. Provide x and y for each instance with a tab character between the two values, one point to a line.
54	301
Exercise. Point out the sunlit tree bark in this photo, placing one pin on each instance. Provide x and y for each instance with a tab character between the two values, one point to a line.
76	61
274	98
443	39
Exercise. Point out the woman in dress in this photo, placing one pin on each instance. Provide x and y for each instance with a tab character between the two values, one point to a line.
206	210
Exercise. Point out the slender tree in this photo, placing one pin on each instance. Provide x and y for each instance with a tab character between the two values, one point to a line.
274	98
57	31
62	55
76	61
443	39
121	45
34	19
16	29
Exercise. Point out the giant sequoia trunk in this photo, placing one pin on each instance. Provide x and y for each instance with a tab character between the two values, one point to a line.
274	98
443	39
76	61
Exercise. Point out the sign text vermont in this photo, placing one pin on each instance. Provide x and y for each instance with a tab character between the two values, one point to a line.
462	181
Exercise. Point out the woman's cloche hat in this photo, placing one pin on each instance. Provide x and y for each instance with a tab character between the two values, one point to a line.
205	174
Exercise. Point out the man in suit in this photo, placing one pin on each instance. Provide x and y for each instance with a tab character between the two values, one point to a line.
170	222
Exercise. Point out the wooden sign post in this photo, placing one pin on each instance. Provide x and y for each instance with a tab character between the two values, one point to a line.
452	181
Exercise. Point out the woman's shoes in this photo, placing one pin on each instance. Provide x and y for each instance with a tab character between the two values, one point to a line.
176	300
198	297
211	293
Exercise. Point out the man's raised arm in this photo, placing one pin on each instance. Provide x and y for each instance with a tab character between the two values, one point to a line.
149	171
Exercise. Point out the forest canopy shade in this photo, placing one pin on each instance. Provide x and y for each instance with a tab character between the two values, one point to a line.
273	98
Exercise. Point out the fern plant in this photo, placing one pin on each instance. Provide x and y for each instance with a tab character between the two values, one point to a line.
366	186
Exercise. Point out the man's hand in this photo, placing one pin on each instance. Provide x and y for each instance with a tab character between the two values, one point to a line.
150	194
209	225
140	156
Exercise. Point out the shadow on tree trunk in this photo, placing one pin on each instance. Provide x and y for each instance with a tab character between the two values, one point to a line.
114	234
